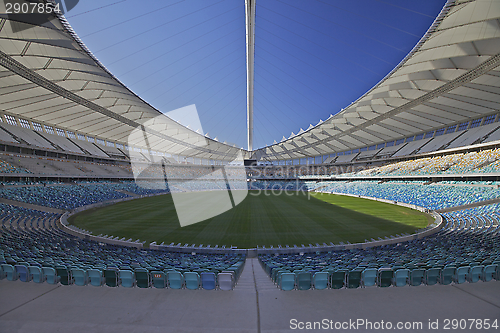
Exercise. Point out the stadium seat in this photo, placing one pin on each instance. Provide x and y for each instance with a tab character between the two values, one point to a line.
142	278
401	277
64	275
22	273
320	280
80	276
208	280
417	276
225	280
192	280
461	274
369	277
304	281
36	274
175	280
447	275
159	279
385	276
127	278
490	272
50	275
432	276
338	279
10	272
475	273
96	277
111	277
354	279
287	281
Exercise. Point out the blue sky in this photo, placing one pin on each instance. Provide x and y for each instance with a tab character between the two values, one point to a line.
312	57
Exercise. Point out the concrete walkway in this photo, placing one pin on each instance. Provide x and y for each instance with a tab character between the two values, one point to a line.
255	305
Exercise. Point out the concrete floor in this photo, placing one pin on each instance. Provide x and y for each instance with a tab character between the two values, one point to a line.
255	305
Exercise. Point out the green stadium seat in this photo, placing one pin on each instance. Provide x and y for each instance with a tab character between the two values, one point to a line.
417	276
142	277
432	276
385	276
111	277
354	279
192	280
304	280
338	279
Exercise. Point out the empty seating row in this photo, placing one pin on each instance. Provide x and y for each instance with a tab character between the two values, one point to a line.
383	277
140	277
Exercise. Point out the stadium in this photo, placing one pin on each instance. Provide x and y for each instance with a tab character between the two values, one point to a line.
119	216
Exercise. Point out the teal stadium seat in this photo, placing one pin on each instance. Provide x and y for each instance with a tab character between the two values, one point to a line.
192	280
369	277
287	281
476	273
447	275
490	272
10	272
127	278
96	277
461	274
432	276
175	280
50	275
80	276
320	280
36	274
159	279
401	277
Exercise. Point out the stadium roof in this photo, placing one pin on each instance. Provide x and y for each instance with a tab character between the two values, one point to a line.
49	76
449	77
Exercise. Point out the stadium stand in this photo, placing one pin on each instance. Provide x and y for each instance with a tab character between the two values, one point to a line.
31	238
467	248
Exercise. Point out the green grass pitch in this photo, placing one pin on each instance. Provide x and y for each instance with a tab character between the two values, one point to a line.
260	219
